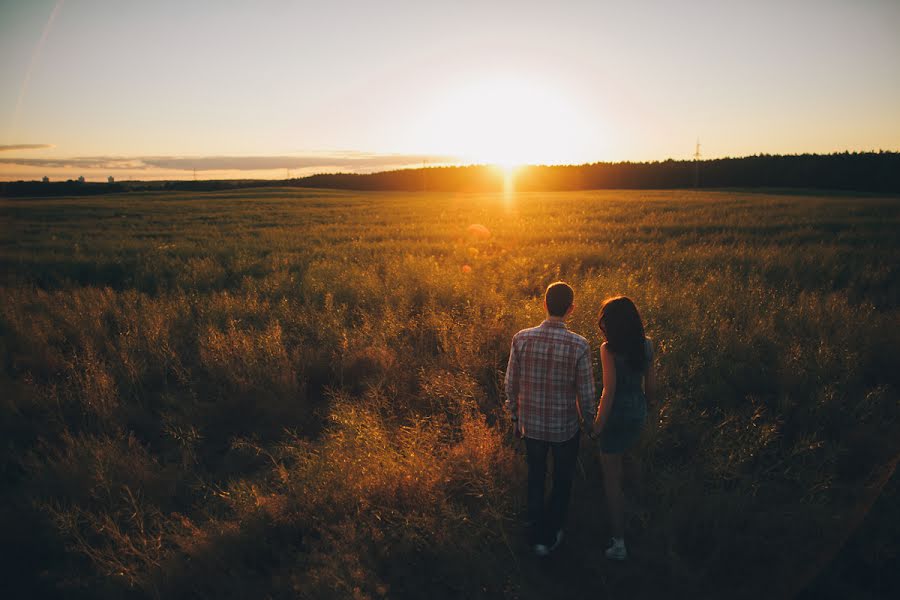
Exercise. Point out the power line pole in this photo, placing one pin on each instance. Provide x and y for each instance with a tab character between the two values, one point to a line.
697	164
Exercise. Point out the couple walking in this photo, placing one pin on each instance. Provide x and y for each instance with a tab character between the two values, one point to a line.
550	392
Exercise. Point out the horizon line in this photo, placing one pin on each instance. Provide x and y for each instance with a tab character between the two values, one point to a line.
66	163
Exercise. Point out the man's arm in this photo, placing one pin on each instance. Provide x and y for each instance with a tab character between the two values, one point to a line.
584	384
512	382
650	377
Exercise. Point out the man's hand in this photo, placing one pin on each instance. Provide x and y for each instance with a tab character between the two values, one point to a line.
515	428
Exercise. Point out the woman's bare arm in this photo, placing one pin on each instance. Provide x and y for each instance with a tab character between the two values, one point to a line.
608	363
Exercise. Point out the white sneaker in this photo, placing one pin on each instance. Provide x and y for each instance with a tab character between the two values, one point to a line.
544	550
616	550
559	539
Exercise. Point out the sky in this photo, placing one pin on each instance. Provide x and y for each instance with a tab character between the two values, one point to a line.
275	88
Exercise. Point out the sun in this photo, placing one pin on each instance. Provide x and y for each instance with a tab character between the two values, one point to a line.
507	122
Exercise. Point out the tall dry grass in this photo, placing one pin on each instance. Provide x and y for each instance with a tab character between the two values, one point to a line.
292	393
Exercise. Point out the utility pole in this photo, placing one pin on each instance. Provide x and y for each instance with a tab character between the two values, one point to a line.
697	164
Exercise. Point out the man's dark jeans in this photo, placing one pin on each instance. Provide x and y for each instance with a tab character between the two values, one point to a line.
546	520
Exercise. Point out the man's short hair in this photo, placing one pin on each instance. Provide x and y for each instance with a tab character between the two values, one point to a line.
559	298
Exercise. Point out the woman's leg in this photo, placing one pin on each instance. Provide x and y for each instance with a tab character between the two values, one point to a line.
615	498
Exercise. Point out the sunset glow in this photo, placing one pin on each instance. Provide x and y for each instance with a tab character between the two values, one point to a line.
507	122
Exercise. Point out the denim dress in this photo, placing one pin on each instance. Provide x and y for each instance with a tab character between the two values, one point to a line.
629	408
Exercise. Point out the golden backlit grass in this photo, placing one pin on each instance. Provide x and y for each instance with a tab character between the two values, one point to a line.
288	392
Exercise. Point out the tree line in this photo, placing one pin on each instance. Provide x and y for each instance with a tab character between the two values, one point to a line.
849	171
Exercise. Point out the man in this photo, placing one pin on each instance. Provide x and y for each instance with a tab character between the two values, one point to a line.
549	388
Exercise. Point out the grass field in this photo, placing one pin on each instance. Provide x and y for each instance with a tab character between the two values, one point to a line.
296	393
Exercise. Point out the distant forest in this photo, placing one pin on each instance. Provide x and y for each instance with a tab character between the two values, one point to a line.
850	171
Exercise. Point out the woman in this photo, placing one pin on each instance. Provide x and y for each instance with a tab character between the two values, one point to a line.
629	382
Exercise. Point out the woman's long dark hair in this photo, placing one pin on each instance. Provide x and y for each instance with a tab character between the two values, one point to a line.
620	320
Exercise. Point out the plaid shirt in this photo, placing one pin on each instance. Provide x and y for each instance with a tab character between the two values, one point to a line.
548	376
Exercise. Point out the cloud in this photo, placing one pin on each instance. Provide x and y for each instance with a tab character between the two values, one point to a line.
8	148
84	163
351	160
354	161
